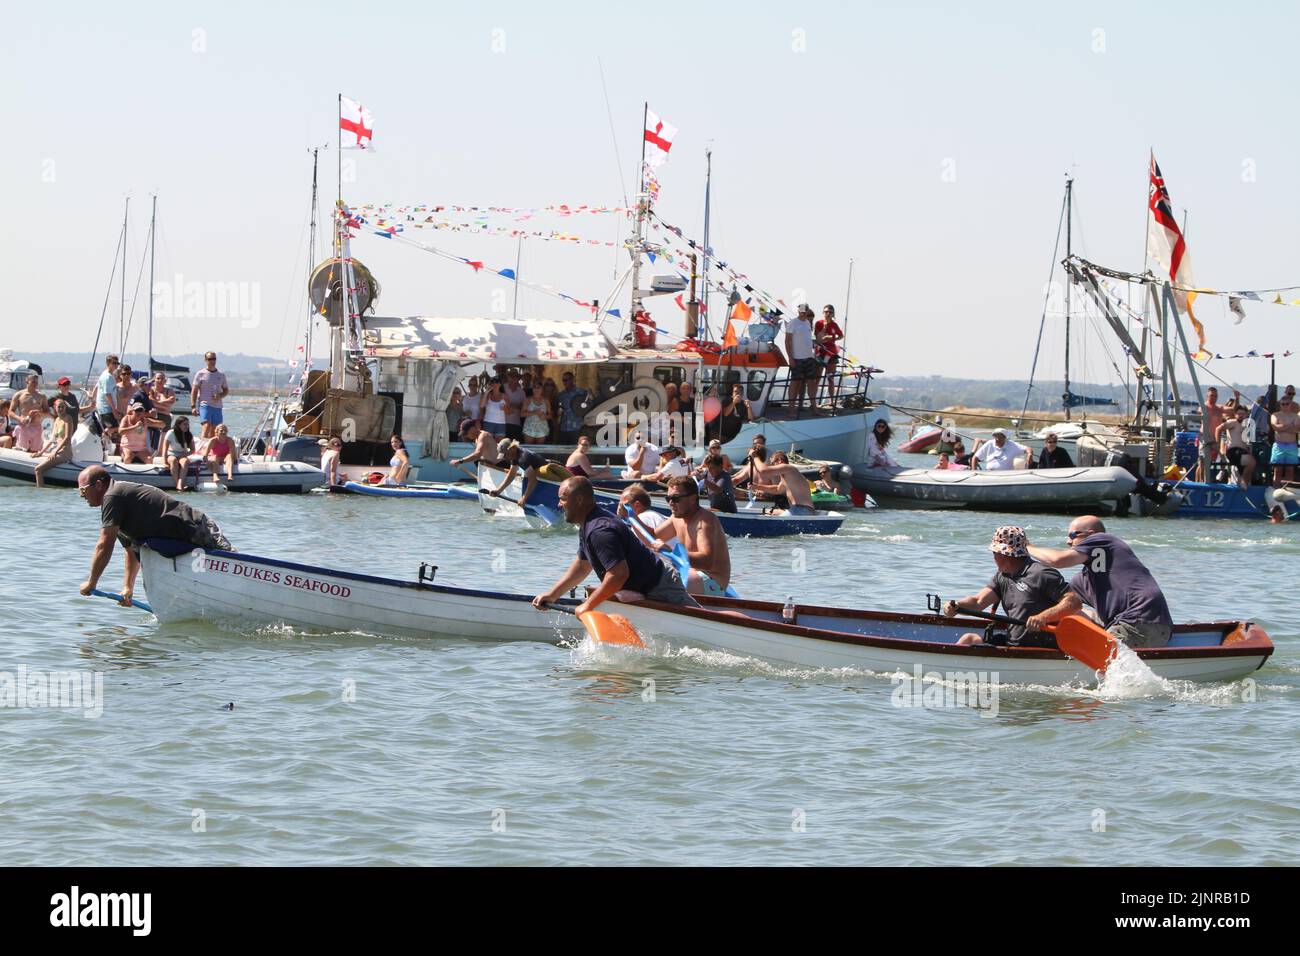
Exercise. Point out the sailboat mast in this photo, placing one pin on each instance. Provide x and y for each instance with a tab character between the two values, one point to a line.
311	256
708	185
153	245
1069	215
848	294
121	320
639	239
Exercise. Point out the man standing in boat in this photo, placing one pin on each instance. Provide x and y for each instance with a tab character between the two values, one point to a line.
209	388
131	513
628	570
805	370
1111	580
781	480
701	532
30	407
1023	588
485	444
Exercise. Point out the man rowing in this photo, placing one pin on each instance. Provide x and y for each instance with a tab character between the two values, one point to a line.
1111	580
628	570
701	532
1023	588
130	512
514	458
782	479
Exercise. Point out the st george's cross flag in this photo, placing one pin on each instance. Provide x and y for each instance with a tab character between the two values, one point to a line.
658	139
356	125
1167	247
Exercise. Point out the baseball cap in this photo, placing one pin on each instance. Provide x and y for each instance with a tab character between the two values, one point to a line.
999	431
65	381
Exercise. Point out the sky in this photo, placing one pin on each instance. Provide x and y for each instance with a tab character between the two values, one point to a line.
927	142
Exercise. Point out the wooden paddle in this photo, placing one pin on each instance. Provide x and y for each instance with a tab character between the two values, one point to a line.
1083	639
118	598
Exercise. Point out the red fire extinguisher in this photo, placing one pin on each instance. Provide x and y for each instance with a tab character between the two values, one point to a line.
643	329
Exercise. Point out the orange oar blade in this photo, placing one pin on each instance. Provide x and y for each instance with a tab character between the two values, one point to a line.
1085	641
611	629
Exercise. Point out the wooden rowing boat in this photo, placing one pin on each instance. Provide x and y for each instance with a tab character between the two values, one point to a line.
264	476
427	491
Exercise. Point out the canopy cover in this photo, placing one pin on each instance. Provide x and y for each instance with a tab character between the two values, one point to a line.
529	341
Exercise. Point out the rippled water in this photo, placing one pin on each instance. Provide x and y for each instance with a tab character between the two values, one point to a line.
473	752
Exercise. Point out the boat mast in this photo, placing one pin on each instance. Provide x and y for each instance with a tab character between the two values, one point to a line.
638	239
519	256
121	321
708	184
848	294
1069	214
311	257
153	245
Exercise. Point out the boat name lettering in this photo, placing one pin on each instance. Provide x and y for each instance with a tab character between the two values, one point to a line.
275	577
311	584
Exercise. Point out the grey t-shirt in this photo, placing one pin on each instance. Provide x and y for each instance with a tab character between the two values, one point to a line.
1032	590
1117	584
142	511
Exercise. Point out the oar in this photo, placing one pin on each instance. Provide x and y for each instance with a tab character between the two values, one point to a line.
606	628
545	512
118	598
1080	638
680	559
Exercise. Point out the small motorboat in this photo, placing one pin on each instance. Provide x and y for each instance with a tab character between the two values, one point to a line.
1039	489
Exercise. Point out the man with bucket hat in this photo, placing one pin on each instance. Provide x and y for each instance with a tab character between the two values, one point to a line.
1023	588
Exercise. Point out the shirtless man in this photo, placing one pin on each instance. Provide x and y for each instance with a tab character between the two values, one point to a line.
1286	429
1231	434
579	464
31	409
701	532
1212	416
783	479
485	444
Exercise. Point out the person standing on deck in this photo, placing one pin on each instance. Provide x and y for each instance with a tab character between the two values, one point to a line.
781	480
828	335
804	368
131	513
206	394
105	419
1231	436
628	570
570	417
30	407
1111	580
1212	416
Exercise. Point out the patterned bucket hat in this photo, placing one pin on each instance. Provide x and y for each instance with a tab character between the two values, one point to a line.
1010	540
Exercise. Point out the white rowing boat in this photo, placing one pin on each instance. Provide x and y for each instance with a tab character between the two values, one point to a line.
267	476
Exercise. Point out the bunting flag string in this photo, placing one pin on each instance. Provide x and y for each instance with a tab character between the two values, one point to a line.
522	212
481	228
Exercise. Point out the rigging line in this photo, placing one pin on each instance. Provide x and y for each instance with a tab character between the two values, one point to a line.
609	112
289	298
1046	298
135	295
103	314
1101	339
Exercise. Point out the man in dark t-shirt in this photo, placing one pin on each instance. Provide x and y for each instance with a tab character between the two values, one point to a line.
1023	588
1112	581
1053	456
515	458
628	570
131	513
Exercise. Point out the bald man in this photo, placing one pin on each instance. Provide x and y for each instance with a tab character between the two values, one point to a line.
1112	581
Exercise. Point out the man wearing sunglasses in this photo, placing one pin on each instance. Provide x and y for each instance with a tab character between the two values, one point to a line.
1053	456
1111	580
701	532
628	570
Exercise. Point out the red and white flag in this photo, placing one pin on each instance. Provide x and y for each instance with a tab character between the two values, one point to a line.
1167	247
658	139
356	125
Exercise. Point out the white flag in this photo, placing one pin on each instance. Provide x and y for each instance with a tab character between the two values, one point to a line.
356	125
658	138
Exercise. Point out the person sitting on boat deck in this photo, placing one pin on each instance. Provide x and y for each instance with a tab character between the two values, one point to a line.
701	532
1231	436
485	444
59	448
945	463
537	416
1023	588
399	466
130	512
880	437
825	482
6	425
570	417
642	457
636	508
515	458
30	408
206	394
222	451
960	457
579	463
329	460
628	570
1112	581
1053	456
134	429
999	453
672	464
716	483
782	479
164	399
178	451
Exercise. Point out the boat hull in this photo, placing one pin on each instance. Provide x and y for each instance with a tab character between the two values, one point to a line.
890	643
424	492
263	477
228	587
1203	500
1023	490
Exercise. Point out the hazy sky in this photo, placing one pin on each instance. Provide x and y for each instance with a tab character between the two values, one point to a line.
928	141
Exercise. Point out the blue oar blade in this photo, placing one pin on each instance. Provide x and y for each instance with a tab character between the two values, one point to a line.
118	598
